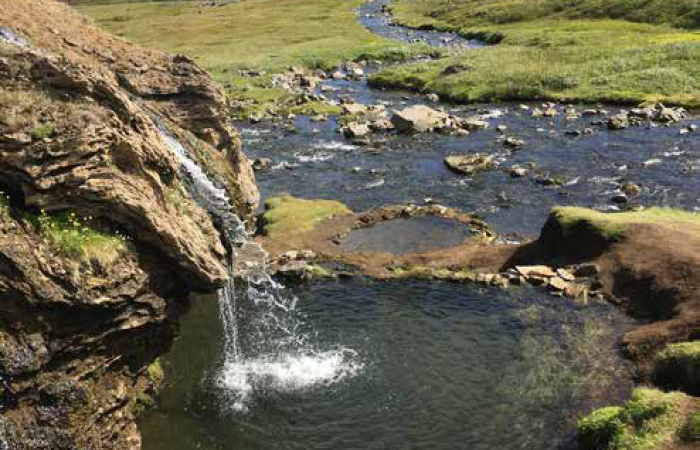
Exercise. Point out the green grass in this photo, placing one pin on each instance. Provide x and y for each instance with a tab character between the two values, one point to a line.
71	238
611	226
289	215
651	420
678	367
584	50
691	431
266	35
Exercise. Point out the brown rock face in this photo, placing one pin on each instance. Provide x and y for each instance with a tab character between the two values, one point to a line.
79	132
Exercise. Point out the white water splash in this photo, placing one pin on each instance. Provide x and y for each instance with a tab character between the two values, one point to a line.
286	373
319	157
281	358
334	145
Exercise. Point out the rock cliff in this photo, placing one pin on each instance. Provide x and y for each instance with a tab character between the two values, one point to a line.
99	241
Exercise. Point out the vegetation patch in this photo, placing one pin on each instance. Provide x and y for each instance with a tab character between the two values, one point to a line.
651	420
623	51
678	367
73	239
611	226
290	215
266	36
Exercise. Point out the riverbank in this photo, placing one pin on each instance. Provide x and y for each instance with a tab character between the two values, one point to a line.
623	52
244	55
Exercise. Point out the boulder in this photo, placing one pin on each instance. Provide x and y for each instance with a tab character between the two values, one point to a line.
355	130
418	119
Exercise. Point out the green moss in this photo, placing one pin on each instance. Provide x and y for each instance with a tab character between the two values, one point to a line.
156	372
691	430
73	239
611	226
42	131
599	428
626	51
649	421
316	271
678	367
290	215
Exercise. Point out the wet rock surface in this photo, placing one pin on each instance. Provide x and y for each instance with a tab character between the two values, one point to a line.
82	132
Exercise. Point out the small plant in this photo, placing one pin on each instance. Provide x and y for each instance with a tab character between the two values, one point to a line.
42	131
155	371
72	238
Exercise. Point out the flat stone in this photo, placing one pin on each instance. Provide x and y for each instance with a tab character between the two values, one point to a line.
536	271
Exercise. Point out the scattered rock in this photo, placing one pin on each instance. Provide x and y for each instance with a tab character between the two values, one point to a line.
631	189
262	164
454	69
536	271
618	122
513	143
470	164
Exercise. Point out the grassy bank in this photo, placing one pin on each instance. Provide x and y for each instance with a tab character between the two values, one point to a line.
263	35
627	51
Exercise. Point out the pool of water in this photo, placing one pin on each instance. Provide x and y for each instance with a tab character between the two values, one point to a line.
411	235
422	366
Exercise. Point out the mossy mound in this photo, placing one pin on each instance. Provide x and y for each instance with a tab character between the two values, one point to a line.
678	367
587	233
286	215
651	420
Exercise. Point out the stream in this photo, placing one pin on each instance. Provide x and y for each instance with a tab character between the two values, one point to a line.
362	364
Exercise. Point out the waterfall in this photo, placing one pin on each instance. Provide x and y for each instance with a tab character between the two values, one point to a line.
266	346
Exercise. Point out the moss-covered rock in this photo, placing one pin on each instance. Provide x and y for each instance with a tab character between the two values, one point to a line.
691	430
678	367
600	427
290	215
651	420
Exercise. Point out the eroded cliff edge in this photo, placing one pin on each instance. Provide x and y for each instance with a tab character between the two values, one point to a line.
99	241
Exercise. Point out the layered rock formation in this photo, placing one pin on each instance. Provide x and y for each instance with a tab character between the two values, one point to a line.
90	299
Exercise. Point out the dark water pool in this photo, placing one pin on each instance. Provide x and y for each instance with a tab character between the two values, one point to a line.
423	366
412	235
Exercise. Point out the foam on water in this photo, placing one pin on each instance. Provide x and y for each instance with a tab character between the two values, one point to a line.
319	157
334	145
285	373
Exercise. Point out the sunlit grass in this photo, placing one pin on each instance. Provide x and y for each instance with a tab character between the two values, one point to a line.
557	50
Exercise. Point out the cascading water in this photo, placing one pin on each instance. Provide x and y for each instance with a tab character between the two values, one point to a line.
266	345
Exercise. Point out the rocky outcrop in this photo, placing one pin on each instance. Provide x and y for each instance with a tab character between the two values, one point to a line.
90	299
